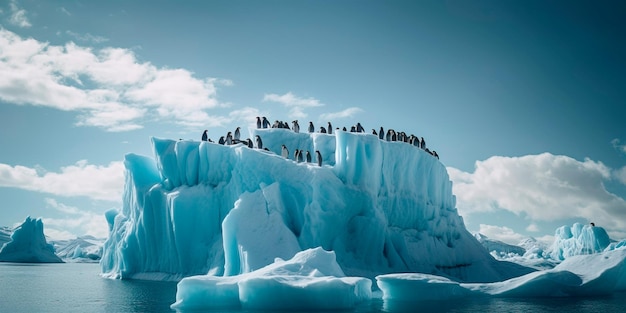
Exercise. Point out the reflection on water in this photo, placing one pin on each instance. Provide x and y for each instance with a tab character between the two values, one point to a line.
75	287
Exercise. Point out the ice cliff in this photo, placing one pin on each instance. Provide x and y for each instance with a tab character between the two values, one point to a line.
202	207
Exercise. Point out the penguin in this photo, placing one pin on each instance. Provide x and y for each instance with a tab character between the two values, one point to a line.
266	123
258	122
276	124
381	133
344	129
359	128
229	139
318	156
388	136
308	156
311	127
394	136
205	136
401	136
296	127
322	130
237	133
286	125
259	142
330	128
435	154
353	129
422	143
221	141
284	152
249	143
301	156
295	155
374	132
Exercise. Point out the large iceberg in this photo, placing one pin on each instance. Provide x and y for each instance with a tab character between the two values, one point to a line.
577	240
381	207
28	245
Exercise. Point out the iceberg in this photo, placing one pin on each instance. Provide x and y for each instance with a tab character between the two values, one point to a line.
81	249
28	245
578	239
380	206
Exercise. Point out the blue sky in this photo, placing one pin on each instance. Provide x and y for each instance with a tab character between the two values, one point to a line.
524	101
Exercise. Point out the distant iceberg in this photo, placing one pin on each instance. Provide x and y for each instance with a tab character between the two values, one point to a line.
28	245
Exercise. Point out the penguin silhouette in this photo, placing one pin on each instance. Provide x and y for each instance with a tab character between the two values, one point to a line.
205	136
318	156
229	139
322	130
266	123
381	133
237	134
308	156
249	143
330	128
311	127
259	142
221	141
258	122
296	127
296	154
359	128
374	132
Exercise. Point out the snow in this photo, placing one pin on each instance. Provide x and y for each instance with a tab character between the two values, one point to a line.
247	228
80	249
28	245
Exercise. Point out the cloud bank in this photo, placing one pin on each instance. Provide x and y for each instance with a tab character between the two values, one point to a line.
296	104
543	187
81	179
109	87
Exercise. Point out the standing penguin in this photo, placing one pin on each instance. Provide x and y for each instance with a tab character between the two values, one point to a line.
330	128
388	136
229	139
296	154
221	141
249	143
259	142
266	123
423	143
284	152
311	127
296	127
205	136
374	132
381	133
308	156
359	128
258	122
301	156
237	133
318	156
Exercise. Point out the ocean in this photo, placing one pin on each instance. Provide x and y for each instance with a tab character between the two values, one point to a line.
77	287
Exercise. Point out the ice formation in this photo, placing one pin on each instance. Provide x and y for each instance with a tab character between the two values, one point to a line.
380	206
28	245
81	249
578	239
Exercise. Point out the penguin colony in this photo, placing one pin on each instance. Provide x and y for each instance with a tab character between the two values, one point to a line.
305	156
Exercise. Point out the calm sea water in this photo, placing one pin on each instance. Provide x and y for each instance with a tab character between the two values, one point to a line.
75	287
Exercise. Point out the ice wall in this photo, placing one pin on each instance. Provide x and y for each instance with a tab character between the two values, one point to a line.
201	207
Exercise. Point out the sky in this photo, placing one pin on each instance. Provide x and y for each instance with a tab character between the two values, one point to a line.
524	101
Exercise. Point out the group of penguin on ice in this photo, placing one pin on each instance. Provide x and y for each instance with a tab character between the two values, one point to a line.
305	156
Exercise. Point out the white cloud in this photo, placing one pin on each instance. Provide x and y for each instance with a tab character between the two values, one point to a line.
543	187
18	16
81	179
501	233
349	112
65	11
108	88
618	145
81	221
532	228
295	104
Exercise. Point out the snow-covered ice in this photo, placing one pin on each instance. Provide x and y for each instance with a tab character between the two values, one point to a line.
28	245
80	249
